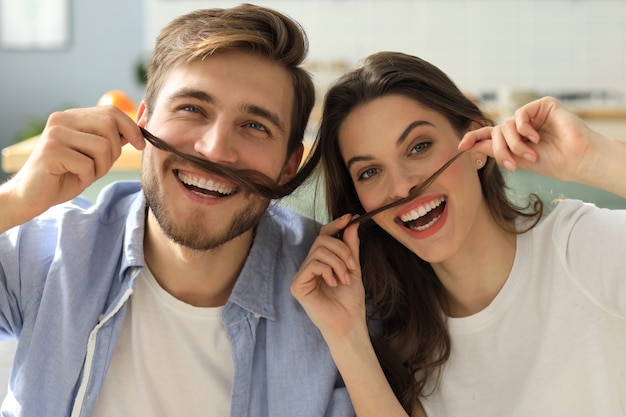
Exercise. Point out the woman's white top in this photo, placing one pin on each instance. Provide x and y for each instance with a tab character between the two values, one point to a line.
553	341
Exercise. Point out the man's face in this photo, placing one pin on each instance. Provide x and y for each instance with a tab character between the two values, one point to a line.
233	109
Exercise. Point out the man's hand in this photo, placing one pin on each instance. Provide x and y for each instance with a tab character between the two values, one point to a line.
76	148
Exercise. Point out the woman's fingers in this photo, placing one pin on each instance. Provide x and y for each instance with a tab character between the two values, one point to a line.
351	239
330	259
345	250
504	142
478	140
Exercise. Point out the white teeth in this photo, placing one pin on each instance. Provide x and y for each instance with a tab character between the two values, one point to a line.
208	185
422	210
427	225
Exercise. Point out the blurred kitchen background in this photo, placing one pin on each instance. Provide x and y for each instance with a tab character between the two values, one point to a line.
501	52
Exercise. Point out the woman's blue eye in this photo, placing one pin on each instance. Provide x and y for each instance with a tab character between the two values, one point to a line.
420	147
368	173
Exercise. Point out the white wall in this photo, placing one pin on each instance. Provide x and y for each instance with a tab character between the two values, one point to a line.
548	45
106	41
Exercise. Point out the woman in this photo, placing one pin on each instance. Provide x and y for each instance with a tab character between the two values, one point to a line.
477	307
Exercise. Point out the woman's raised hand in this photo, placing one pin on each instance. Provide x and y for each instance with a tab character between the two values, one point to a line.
546	138
328	284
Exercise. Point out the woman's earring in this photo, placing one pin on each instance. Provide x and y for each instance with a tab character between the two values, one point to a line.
479	162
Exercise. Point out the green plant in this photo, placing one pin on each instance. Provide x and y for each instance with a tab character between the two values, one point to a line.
35	125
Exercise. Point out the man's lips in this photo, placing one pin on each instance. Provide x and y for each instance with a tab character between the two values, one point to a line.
248	179
205	187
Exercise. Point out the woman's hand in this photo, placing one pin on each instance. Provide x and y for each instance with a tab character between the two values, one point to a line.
329	287
546	138
328	284
76	148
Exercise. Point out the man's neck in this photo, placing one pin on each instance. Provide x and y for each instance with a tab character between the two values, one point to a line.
200	278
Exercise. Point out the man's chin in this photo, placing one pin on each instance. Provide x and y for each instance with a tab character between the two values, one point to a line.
193	236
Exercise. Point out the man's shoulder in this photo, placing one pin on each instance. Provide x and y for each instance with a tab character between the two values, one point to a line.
80	217
293	227
117	199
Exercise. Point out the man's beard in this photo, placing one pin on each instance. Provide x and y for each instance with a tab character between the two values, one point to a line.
191	234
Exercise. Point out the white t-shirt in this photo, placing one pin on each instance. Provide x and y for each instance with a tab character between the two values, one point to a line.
172	359
553	341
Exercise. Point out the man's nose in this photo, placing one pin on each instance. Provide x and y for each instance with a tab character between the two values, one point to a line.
218	144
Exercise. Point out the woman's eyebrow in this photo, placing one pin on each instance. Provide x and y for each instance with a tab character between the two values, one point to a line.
356	159
399	142
409	128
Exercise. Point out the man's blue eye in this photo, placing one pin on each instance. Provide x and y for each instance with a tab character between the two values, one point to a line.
257	126
192	109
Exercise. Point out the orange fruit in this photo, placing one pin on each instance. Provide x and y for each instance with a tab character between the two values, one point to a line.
121	100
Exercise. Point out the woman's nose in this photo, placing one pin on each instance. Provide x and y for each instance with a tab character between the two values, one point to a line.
218	144
401	182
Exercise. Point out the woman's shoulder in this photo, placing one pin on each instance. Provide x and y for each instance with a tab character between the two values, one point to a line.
568	212
575	223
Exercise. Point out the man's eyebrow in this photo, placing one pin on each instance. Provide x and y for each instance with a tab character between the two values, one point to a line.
399	141
192	93
410	127
273	117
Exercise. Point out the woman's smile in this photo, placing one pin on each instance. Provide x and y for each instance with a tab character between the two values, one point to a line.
423	216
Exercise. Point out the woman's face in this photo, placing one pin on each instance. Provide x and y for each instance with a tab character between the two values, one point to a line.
394	143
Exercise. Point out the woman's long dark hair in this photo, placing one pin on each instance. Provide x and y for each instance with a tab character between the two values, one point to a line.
402	290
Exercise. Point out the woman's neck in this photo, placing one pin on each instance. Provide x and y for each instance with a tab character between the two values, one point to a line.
477	273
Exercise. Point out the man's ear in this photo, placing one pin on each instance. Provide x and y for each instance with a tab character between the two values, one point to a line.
142	114
291	166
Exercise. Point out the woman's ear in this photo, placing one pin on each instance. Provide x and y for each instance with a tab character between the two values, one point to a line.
480	159
473	126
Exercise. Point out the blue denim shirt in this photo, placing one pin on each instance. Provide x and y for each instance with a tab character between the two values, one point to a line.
65	278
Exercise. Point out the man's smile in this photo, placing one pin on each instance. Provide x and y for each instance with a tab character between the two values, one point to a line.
205	187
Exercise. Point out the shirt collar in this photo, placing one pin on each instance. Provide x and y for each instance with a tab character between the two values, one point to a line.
255	288
134	234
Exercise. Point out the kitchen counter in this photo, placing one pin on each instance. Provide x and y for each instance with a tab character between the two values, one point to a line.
605	113
13	157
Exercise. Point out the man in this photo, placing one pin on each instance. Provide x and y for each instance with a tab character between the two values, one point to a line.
170	298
